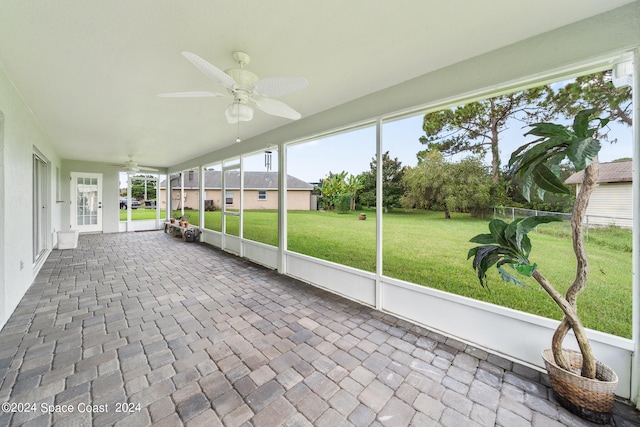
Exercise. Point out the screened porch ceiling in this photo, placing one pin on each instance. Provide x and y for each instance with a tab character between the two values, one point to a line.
91	71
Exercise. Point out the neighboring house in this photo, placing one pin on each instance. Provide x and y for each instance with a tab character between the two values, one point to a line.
260	191
610	202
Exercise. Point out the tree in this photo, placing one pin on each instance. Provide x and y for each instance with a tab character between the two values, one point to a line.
338	185
593	91
476	127
143	189
392	172
331	187
353	184
437	184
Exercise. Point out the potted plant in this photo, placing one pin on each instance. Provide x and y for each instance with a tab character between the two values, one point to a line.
582	384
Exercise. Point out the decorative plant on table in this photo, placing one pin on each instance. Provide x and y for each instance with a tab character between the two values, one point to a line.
537	163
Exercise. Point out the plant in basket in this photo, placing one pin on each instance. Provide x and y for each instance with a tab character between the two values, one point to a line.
582	384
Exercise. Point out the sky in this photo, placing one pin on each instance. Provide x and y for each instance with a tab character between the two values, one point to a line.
352	151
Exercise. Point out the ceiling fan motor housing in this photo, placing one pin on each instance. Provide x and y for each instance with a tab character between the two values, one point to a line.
245	86
244	78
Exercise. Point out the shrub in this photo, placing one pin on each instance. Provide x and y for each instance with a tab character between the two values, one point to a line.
343	203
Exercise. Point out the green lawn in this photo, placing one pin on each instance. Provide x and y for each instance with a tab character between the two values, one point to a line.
424	248
138	214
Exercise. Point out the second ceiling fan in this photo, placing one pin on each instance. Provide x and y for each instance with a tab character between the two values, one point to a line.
246	89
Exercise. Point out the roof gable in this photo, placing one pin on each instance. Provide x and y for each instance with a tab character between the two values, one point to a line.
609	172
253	180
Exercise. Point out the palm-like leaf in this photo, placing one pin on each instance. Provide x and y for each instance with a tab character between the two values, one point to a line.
507	244
537	162
583	151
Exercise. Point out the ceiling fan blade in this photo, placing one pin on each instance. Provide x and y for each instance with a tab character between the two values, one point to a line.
195	94
209	70
280	86
144	168
276	108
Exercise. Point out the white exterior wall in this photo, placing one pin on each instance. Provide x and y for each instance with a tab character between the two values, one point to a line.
298	200
21	135
610	204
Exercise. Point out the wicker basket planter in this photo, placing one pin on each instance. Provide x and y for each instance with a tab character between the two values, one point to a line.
590	399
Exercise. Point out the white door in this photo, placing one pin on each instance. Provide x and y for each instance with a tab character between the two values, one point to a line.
86	202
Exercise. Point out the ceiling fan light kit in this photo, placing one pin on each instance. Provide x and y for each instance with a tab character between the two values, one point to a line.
246	88
130	166
238	112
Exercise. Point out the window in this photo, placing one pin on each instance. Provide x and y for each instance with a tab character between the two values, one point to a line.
334	234
228	197
213	203
259	212
448	214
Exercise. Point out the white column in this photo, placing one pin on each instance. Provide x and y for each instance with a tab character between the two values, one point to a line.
379	210
129	182
157	178
203	196
182	193
282	209
167	196
635	277
241	208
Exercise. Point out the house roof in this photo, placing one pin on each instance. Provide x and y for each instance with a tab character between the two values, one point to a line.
253	180
609	172
91	71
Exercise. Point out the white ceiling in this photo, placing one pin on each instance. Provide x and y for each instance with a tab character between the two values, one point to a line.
91	70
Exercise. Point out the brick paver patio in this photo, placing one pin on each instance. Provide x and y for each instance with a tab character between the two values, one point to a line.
143	329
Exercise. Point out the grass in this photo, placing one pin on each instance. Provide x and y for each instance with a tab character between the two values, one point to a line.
424	248
139	214
437	258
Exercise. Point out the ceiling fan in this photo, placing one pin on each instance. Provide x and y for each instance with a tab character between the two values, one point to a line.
246	89
132	167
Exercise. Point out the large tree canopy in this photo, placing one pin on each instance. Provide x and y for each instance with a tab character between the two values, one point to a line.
392	172
437	184
475	127
592	91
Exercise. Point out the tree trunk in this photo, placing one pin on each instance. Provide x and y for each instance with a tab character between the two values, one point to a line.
495	151
589	182
447	215
571	317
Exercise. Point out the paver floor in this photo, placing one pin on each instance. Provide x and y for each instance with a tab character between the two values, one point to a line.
138	329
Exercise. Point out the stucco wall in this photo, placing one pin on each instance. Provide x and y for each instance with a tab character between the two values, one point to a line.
297	200
21	137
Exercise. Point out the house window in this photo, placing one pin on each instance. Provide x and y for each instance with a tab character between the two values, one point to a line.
228	197
262	195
